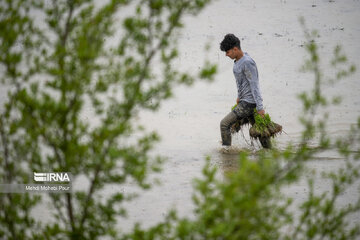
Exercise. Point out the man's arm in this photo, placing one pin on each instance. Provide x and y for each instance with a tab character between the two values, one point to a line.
251	76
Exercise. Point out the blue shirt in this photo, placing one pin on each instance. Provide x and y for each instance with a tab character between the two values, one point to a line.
247	81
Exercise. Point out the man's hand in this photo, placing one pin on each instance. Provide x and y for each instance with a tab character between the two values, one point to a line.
237	101
262	112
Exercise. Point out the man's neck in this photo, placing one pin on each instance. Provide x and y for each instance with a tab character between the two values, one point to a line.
240	55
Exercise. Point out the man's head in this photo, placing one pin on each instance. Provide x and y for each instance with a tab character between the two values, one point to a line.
231	45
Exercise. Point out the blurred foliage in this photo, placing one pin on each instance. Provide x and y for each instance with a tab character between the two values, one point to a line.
78	72
250	203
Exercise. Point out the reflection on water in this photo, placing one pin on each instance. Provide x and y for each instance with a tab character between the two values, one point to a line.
228	161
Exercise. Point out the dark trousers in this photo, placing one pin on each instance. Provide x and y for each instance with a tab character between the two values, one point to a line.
242	110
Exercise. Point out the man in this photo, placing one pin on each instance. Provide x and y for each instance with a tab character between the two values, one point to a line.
247	82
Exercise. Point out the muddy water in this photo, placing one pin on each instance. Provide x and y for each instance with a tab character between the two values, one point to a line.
270	32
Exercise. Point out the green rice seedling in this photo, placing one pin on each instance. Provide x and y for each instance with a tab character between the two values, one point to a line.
232	109
264	126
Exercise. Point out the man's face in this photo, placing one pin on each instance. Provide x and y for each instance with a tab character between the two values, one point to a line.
232	53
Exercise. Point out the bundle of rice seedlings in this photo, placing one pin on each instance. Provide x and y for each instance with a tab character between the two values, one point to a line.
264	127
238	124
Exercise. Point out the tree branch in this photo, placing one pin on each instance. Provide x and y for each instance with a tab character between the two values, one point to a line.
70	211
93	185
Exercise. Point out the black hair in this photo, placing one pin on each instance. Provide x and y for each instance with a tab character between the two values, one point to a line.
230	41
